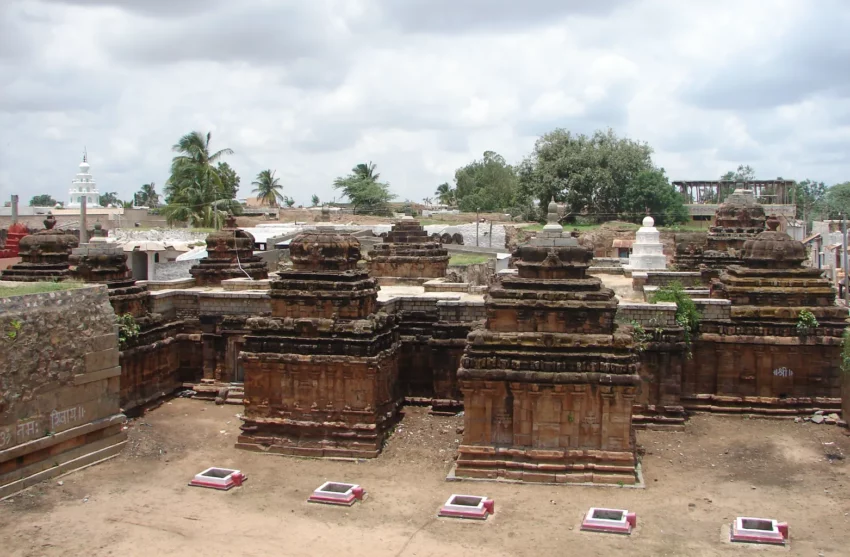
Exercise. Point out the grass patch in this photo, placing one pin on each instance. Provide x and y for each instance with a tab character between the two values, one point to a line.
460	259
38	288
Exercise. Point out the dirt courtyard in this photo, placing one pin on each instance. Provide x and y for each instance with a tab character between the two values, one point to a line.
139	504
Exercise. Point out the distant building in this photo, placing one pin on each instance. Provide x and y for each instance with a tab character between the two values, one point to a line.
83	187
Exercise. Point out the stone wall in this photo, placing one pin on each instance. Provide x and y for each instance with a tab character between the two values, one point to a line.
650	316
59	385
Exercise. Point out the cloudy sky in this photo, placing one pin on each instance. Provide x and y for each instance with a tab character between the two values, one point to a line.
420	87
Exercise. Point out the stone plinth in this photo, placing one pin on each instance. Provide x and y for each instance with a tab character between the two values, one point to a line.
758	359
321	373
550	383
738	219
407	252
647	250
230	255
44	255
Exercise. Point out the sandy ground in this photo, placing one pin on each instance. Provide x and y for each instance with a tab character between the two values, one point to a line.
622	287
697	481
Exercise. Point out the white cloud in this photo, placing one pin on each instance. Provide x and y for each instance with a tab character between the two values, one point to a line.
421	88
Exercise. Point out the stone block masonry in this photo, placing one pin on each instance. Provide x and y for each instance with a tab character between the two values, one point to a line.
59	385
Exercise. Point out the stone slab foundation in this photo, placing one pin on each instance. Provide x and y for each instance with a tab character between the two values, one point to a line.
320	406
535	433
772	376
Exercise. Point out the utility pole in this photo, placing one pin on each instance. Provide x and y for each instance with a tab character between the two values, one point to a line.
84	233
844	253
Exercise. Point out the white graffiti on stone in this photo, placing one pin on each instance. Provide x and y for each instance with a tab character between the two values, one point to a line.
5	437
67	416
27	430
783	372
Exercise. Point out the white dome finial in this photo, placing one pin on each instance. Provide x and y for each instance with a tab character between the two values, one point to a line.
648	222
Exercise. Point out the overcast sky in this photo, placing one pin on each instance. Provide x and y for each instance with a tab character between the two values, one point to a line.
420	87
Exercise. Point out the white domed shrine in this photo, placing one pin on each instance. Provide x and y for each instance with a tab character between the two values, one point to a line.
647	251
83	187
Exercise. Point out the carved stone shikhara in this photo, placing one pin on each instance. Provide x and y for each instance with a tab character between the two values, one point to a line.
321	374
408	253
759	360
739	218
230	254
549	384
44	255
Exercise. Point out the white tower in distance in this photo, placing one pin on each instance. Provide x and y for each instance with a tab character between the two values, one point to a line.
83	187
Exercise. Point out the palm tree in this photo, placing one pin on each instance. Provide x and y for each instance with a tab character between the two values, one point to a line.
268	188
366	171
445	193
195	191
147	196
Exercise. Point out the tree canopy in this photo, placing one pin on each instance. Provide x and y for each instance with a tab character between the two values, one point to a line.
445	194
488	184
195	191
364	191
229	180
43	200
315	200
651	191
268	188
590	173
110	198
838	200
146	196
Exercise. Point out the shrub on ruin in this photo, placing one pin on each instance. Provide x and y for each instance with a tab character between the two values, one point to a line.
845	352
687	314
128	329
806	323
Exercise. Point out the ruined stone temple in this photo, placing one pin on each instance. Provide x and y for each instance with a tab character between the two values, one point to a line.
549	385
737	220
149	360
759	360
230	255
44	255
408	254
321	373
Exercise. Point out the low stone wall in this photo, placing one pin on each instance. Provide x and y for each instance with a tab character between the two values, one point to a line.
477	274
666	278
59	385
713	309
649	316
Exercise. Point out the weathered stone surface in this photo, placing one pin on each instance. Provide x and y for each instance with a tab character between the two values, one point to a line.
408	252
321	373
552	380
54	380
737	220
230	254
757	359
44	255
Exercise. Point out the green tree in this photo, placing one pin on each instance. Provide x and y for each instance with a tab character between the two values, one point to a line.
445	194
489	184
837	200
315	200
589	173
229	180
268	188
147	196
288	201
651	191
363	189
195	192
110	198
744	173
43	200
810	198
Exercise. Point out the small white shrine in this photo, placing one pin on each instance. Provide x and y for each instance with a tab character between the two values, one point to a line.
83	187
647	251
